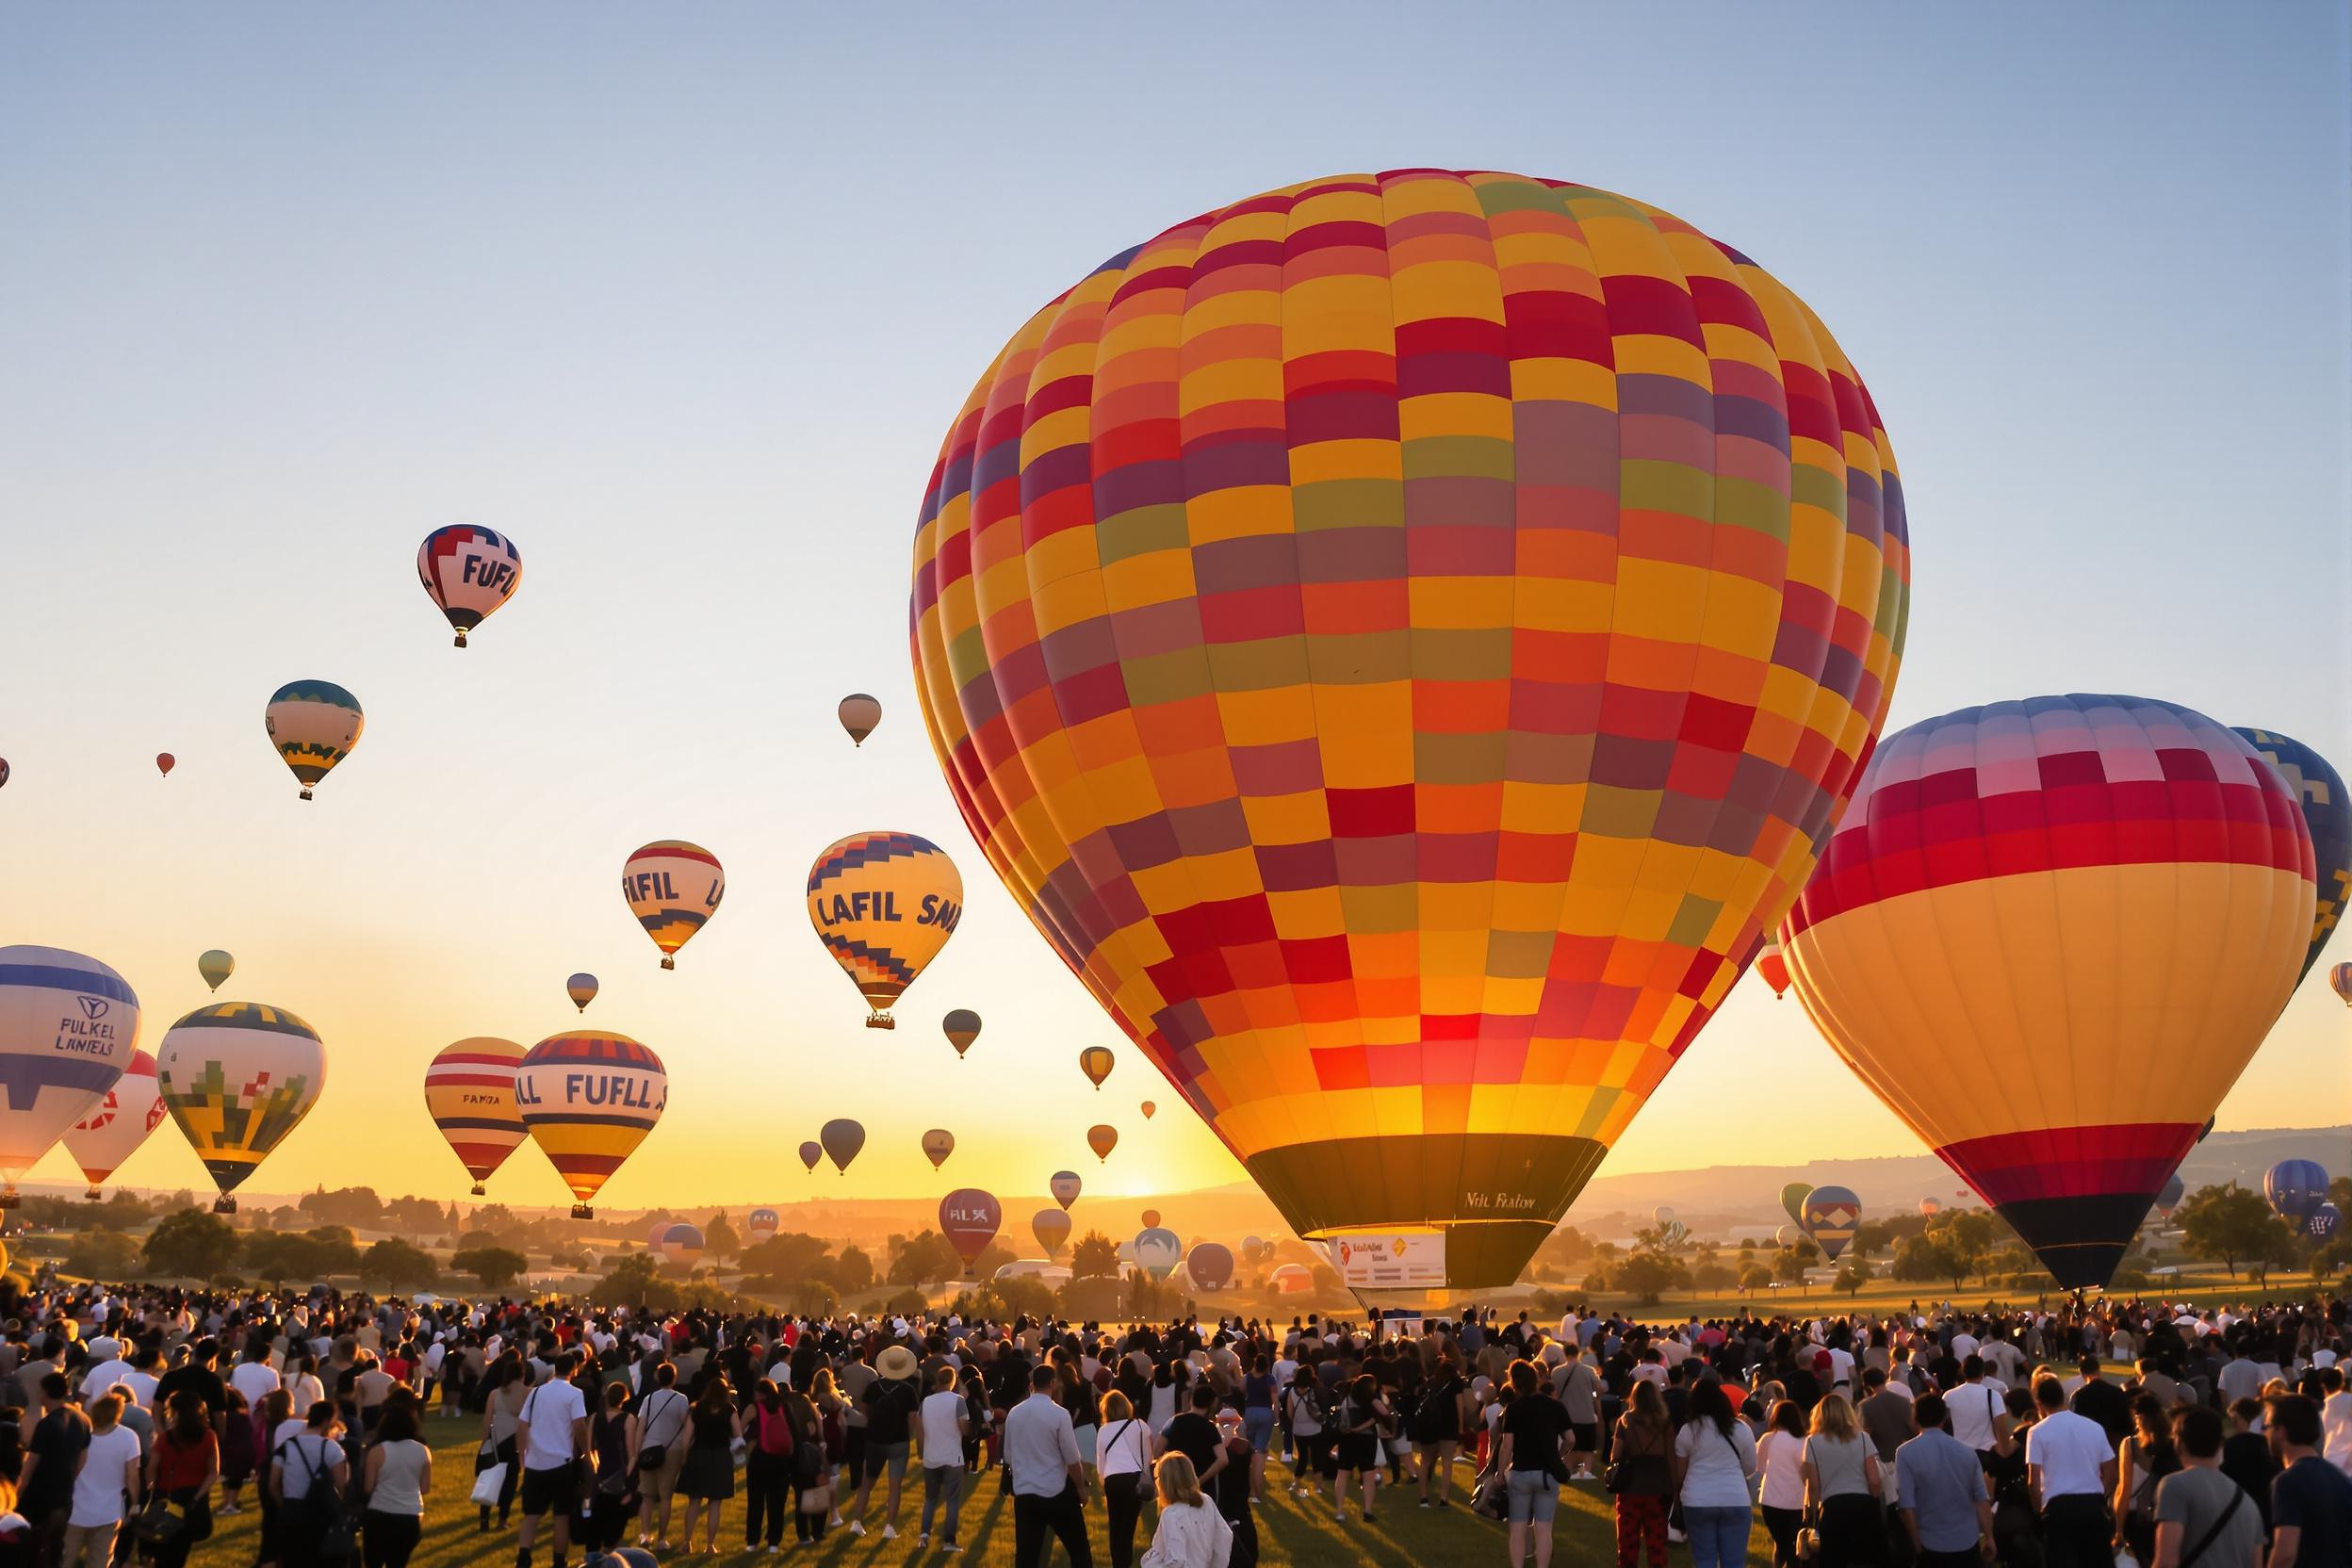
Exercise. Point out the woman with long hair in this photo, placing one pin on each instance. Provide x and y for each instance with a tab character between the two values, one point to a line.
1841	1486
2145	1458
615	1434
1528	1453
709	1479
1780	1454
181	1468
767	1465
833	1420
1714	1455
1122	1458
1361	1416
1191	1534
812	1470
277	1420
501	1414
1641	1452
397	1476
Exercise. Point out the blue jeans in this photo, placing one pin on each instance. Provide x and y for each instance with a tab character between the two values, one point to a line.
1258	1423
1719	1536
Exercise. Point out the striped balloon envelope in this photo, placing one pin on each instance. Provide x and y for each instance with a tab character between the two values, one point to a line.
2296	1187
2318	788
1402	638
469	1093
1065	1188
2050	935
314	724
673	887
883	905
680	1247
469	572
589	1098
1832	1214
961	1027
237	1077
100	1141
69	1029
760	1224
1773	966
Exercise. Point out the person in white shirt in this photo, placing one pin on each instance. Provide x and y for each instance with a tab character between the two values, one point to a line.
253	1377
942	1423
104	1375
109	1476
1049	1485
1191	1534
2070	1470
2335	1421
550	1432
1972	1404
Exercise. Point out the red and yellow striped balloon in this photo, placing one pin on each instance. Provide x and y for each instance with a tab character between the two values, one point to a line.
589	1098
1402	638
469	1093
2050	935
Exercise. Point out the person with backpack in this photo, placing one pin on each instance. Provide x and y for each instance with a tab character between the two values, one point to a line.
1124	1461
942	1429
767	1466
812	1465
308	1472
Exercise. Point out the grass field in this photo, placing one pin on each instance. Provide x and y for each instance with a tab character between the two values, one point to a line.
1292	1532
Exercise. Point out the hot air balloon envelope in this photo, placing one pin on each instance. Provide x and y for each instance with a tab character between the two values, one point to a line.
100	1141
811	1152
1772	965
1065	1188
1096	1062
2340	982
469	1093
969	1218
1151	1219
214	967
581	989
680	1247
760	1224
469	572
165	762
1158	1252
1148	1108
1211	1265
673	887
2099	904
1051	1228
2322	1222
858	714
842	1138
2327	808
2169	1199
314	724
1292	1278
1405	671
961	1027
883	905
589	1098
1787	1235
237	1077
69	1028
937	1144
1792	1200
2296	1187
1103	1138
1832	1214
1930	1208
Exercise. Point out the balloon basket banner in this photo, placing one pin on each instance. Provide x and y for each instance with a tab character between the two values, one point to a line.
880	1021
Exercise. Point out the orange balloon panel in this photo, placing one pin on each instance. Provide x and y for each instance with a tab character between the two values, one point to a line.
1401	637
2050	934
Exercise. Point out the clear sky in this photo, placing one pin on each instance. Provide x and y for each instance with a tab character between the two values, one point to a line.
684	298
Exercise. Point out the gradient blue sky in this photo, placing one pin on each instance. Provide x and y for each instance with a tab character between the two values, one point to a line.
682	297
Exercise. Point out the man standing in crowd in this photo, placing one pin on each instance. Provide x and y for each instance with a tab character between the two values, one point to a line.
1049	1487
551	1437
1945	1510
2070	1467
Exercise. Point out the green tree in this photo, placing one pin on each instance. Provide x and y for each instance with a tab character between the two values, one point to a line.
719	1238
107	1256
633	1278
1094	1257
357	1207
993	1257
1648	1275
922	1257
1754	1277
854	1271
1712	1276
395	1263
192	1243
1851	1278
2226	1222
495	1268
413	1217
1933	1255
785	1257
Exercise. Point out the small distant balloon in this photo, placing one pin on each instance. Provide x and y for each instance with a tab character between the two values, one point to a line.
2339	979
1792	1200
315	725
860	713
1096	1062
1103	1138
842	1138
680	1245
760	1224
1151	1219
1052	1228
1158	1252
1773	964
2296	1187
165	762
581	989
1065	1188
673	887
1787	1235
1832	1214
469	572
1662	1216
4	771
215	966
937	1144
961	1027
1930	1208
1147	1109
810	1153
2168	1197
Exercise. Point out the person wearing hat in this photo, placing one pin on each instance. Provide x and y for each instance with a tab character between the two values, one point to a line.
891	1402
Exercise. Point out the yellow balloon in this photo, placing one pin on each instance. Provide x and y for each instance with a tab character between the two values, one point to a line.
884	904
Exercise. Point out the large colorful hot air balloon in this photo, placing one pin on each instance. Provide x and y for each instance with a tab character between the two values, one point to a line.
2339	981
213	967
1096	1062
2296	1187
1158	1252
1051	1228
2319	791
469	1093
760	1224
1792	1200
589	1098
69	1028
1832	1214
2168	1197
1102	1138
858	714
314	724
1211	1264
581	989
840	1139
680	1247
237	1077
969	1218
810	1153
1401	639
961	1027
884	904
1065	1186
2097	904
100	1141
1773	966
673	887
937	1144
469	572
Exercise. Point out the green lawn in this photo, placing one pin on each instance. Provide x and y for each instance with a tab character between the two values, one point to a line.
1291	1531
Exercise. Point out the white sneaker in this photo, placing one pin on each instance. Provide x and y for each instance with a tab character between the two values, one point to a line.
924	1540
857	1527
951	1548
890	1532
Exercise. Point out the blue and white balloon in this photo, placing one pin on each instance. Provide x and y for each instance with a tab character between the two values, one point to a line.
67	1026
